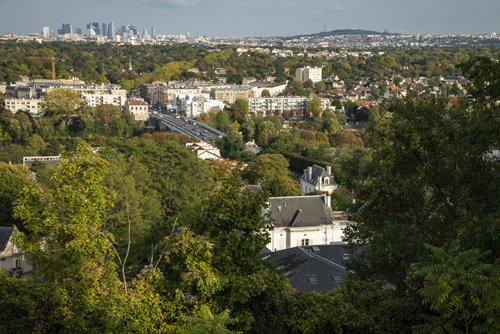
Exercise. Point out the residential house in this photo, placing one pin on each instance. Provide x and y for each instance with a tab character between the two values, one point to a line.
303	221
319	268
139	109
12	259
317	178
204	150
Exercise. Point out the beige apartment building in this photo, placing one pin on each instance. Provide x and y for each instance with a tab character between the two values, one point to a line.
231	94
303	74
34	106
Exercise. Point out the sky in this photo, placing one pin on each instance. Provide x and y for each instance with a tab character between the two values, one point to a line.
256	18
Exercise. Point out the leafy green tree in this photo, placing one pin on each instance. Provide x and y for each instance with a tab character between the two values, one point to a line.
14	179
340	199
271	171
136	201
222	121
175	168
320	86
233	148
206	322
208	118
337	104
241	105
463	290
265	93
61	102
314	106
248	128
233	221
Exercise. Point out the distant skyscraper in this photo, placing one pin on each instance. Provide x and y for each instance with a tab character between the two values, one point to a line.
96	27
90	30
133	28
124	31
45	32
111	30
78	31
153	32
66	29
105	30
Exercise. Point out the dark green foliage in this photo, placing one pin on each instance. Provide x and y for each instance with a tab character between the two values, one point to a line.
463	290
233	148
271	172
175	170
13	180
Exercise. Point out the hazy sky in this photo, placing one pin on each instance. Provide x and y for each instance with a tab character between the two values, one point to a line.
230	18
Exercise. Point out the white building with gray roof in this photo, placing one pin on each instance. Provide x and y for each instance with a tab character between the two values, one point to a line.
317	178
303	221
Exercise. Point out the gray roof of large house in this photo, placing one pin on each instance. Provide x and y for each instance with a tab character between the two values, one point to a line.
316	171
300	211
5	233
323	263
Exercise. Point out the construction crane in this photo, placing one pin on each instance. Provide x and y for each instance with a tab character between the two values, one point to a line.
52	60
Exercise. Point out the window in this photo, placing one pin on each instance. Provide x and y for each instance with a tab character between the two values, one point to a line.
337	278
312	279
18	263
305	242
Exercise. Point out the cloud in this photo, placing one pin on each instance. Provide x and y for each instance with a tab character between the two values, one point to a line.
336	8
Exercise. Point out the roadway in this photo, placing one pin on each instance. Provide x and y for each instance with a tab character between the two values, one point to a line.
188	126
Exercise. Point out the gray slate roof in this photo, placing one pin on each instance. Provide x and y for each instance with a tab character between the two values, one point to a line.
299	262
300	211
316	171
5	233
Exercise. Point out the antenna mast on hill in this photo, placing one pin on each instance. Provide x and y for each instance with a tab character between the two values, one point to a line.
325	27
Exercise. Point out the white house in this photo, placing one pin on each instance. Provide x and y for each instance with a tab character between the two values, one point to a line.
317	178
303	221
139	109
204	150
12	259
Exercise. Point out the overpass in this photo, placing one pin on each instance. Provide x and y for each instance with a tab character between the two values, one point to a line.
186	125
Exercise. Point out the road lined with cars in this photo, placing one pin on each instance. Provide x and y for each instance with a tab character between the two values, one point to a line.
189	126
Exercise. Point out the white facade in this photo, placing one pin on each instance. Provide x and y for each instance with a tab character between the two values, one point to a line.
304	220
308	73
31	105
288	237
12	259
271	104
196	104
139	109
204	150
95	100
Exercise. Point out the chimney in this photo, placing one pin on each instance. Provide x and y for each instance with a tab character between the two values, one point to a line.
327	200
329	170
320	179
310	171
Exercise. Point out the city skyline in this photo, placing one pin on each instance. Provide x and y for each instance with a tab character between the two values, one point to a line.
225	18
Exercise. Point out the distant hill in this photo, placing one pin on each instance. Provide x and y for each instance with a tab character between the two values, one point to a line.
340	32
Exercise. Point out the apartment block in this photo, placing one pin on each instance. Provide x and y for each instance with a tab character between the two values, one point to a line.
308	73
31	105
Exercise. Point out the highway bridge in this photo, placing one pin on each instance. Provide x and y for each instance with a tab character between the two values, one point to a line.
185	125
